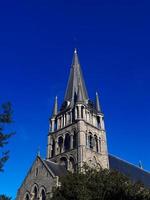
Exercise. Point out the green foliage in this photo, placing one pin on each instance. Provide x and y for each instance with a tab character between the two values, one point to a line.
5	119
4	197
93	184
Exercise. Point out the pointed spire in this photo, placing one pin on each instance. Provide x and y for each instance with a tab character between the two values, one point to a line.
79	94
98	108
75	79
55	109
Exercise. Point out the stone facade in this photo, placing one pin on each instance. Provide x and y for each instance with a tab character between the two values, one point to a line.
76	136
38	182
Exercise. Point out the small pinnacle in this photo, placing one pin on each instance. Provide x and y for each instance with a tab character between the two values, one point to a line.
140	164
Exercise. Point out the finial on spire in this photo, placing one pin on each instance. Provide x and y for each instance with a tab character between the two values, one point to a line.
75	50
98	108
55	109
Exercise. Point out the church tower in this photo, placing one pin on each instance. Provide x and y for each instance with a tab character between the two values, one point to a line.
77	132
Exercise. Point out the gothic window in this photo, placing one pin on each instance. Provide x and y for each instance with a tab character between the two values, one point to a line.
60	144
75	140
55	125
77	112
96	143
100	145
27	197
82	110
35	193
73	114
43	195
72	165
63	161
67	142
90	141
53	147
98	122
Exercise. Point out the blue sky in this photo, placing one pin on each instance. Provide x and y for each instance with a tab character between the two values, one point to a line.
37	39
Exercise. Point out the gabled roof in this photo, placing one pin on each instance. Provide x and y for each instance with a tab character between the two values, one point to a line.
57	169
133	172
75	79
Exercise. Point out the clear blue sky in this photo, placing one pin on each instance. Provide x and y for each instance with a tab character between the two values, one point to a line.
37	39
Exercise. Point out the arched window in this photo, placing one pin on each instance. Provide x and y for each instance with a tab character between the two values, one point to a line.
67	142
75	139
60	144
35	193
63	161
27	197
82	110
78	112
55	125
72	164
43	195
98	122
100	145
90	141
53	147
96	143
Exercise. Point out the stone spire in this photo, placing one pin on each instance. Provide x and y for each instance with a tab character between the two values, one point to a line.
55	108
79	95
98	108
75	79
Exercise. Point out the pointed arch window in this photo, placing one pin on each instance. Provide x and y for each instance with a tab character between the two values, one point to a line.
100	145
82	110
96	143
75	140
90	141
60	144
35	193
67	142
53	147
43	195
27	197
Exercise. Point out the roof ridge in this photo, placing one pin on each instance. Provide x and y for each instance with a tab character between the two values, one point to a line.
129	163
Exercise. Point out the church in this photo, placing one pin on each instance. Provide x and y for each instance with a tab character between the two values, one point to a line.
76	136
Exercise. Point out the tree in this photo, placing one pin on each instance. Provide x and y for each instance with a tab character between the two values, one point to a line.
93	184
4	197
5	119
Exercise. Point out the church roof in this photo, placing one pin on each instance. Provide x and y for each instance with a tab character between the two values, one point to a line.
75	79
57	169
133	172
